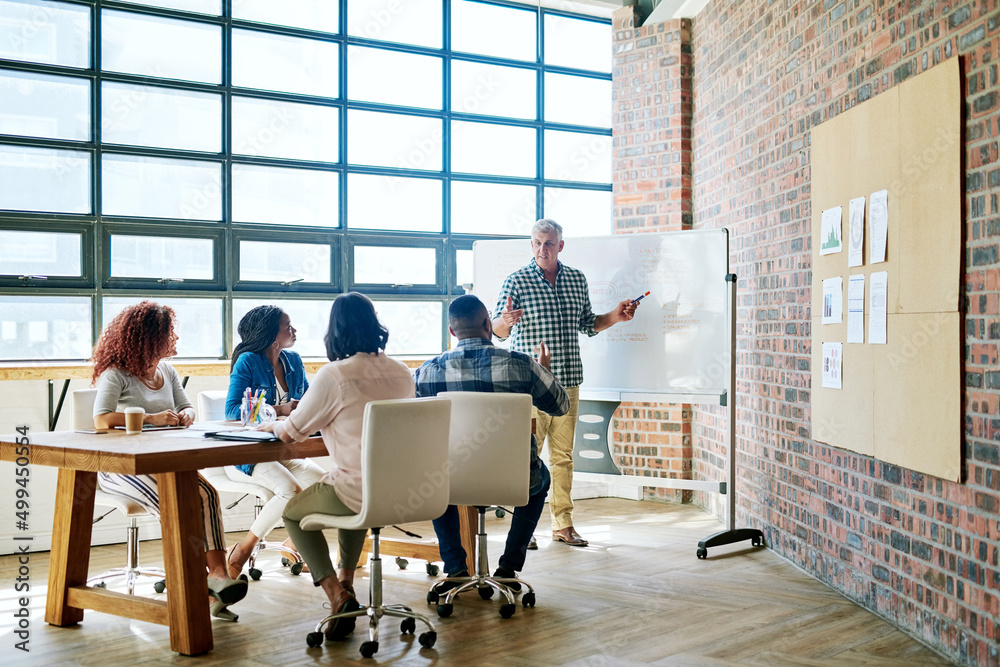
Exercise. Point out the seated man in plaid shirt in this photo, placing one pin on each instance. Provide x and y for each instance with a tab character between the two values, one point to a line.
476	365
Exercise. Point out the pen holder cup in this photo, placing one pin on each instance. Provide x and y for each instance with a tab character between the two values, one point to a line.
265	414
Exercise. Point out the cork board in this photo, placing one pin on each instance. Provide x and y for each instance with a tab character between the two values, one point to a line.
901	401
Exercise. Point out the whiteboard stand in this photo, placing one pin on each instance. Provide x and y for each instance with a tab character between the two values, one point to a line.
732	534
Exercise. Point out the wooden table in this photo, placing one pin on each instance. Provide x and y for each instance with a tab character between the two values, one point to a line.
175	461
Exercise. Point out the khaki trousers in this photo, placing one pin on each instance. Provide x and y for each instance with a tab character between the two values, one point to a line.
561	433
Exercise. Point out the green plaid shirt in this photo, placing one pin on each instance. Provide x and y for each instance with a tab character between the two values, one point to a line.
551	314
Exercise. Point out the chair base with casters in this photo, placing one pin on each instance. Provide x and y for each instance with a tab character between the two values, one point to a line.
376	610
132	571
482	582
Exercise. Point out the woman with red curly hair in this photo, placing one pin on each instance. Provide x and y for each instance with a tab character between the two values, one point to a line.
130	371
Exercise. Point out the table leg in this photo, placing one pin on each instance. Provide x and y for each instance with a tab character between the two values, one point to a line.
468	521
184	562
71	530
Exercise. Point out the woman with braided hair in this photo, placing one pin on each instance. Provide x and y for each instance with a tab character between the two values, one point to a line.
262	361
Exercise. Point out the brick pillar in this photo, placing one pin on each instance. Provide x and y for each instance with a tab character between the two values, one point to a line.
651	83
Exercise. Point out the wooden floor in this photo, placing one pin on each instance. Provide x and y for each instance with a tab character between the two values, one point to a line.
637	595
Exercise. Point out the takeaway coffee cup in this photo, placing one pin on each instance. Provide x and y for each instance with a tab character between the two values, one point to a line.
133	420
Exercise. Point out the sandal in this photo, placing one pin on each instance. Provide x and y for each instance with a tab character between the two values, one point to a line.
229	563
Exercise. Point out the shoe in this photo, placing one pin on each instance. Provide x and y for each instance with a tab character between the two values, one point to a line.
570	537
227	592
229	562
504	573
349	588
445	585
340	628
221	610
533	544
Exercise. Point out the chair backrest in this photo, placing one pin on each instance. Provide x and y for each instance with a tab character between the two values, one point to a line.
83	409
212	405
489	448
404	461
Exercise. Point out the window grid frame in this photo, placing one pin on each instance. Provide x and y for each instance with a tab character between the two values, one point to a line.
95	228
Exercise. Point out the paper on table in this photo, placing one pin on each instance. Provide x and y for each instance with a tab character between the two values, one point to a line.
830	239
879	224
856	309
877	299
833	354
833	300
856	232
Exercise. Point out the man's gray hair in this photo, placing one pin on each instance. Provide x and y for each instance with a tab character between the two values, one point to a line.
545	225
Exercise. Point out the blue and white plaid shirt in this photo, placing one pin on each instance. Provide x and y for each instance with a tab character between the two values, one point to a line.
554	315
477	365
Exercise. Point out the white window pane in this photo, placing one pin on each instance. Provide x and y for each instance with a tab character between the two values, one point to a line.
415	327
40	254
45	327
54	33
394	140
213	7
287	64
463	267
493	90
580	212
41	105
161	188
323	15
478	148
285	196
410	22
161	257
494	31
161	117
575	156
310	318
269	128
494	207
161	47
390	202
198	322
385	265
577	43
405	79
577	100
43	179
281	262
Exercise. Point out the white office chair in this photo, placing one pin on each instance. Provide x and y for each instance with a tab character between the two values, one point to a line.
83	420
212	407
489	456
404	470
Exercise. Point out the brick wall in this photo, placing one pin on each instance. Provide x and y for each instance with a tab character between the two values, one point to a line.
920	551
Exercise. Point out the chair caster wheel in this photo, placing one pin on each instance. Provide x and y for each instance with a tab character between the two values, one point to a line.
296	568
401	563
433	597
702	553
427	639
756	541
314	639
501	512
528	600
255	574
444	610
408	626
486	592
160	586
101	584
285	562
433	569
368	649
507	610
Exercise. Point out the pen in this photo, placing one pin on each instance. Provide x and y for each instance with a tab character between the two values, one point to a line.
640	297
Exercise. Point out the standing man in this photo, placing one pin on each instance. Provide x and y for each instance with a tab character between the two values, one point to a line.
548	303
476	365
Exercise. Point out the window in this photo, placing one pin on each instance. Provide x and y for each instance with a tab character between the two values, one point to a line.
218	155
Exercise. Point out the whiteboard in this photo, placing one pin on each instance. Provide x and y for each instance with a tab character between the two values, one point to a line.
679	341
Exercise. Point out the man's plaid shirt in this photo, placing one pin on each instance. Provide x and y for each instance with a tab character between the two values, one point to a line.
477	365
551	314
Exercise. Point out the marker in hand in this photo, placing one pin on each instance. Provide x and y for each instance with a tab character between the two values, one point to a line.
640	297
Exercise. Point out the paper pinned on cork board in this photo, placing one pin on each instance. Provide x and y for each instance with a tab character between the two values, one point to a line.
877	299
879	225
833	357
830	236
856	232
856	309
833	300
